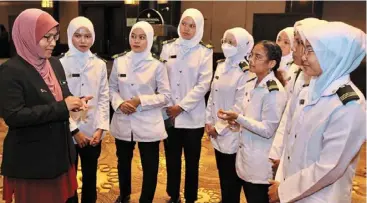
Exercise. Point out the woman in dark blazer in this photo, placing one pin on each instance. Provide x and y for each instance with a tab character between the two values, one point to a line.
35	102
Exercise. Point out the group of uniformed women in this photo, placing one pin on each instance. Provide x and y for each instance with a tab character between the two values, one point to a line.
284	118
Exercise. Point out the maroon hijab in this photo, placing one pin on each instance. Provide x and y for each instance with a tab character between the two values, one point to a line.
28	29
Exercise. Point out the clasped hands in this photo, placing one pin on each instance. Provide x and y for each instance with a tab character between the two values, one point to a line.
82	140
129	107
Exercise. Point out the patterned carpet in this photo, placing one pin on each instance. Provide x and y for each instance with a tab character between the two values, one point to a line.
209	191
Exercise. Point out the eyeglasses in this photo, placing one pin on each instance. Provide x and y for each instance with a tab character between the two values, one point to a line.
307	49
52	37
227	41
258	57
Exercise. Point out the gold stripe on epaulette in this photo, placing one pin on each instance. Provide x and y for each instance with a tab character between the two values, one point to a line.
168	41
347	95
273	87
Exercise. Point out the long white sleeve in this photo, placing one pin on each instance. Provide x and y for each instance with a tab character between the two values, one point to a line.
272	110
115	97
342	139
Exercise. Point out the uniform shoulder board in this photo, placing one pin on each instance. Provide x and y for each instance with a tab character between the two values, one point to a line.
119	55
158	58
220	60
169	41
244	67
347	94
104	60
209	46
251	79
272	85
290	63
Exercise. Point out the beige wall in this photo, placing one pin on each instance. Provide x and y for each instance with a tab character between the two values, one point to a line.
222	15
353	13
68	11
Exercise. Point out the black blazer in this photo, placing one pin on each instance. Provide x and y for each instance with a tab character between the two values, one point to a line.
39	144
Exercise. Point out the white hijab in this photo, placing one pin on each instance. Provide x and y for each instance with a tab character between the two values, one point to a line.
74	25
245	43
307	22
197	16
289	31
339	48
146	54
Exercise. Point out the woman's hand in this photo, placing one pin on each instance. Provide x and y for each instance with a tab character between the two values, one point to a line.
77	104
73	103
134	102
227	115
127	108
96	139
210	130
81	139
174	111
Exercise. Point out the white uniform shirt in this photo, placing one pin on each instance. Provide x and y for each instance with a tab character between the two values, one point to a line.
321	150
149	82
227	92
261	113
294	74
190	76
88	80
293	88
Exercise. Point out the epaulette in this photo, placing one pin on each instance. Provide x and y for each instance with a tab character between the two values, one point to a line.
119	55
158	58
244	67
169	41
289	63
220	60
347	94
297	73
209	46
272	85
251	79
104	60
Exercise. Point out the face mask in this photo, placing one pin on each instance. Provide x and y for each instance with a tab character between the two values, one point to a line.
229	50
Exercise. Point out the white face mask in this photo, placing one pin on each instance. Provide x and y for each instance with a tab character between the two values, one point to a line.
229	50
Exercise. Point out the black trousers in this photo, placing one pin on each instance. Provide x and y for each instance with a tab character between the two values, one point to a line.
230	183
149	155
89	161
256	193
190	141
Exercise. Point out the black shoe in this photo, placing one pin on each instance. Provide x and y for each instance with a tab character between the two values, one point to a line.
123	200
174	200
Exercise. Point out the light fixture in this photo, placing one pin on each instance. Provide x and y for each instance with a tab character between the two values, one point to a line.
162	1
131	2
47	3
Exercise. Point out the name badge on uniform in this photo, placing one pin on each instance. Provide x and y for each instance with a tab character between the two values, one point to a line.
75	75
172	57
122	75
